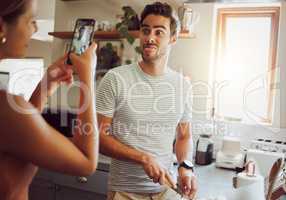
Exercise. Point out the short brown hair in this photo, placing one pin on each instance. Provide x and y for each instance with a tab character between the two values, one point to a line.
164	10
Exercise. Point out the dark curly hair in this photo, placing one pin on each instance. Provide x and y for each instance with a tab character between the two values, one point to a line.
165	10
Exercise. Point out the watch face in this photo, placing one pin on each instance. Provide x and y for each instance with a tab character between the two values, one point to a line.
188	163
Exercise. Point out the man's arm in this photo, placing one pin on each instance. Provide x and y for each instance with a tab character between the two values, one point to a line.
183	144
110	146
183	147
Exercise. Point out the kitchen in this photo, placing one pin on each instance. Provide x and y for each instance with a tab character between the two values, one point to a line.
196	56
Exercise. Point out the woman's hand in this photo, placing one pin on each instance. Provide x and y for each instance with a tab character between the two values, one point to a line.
58	73
85	64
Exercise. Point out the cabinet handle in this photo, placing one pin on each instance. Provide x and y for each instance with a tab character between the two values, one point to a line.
82	179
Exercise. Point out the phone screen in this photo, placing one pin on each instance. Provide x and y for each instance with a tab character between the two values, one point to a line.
82	36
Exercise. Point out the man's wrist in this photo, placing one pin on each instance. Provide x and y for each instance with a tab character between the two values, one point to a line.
187	164
185	172
144	158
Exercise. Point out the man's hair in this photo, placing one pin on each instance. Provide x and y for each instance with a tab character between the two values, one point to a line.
165	10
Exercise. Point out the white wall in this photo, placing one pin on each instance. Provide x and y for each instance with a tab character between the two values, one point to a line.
282	64
46	11
193	56
40	49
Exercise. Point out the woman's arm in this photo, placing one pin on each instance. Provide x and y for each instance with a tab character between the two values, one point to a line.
30	138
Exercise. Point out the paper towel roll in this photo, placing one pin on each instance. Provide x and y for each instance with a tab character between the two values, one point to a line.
253	191
250	187
243	180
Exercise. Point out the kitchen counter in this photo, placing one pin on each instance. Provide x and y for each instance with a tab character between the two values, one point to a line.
212	181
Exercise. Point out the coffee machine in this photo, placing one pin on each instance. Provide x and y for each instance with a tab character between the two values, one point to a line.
204	150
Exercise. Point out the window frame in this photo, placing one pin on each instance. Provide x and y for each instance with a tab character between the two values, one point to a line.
274	13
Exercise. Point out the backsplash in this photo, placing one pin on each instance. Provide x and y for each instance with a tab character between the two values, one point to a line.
247	133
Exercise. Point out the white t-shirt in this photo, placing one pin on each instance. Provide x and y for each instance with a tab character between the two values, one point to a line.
146	111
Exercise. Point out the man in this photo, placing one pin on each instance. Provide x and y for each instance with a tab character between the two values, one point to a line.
141	108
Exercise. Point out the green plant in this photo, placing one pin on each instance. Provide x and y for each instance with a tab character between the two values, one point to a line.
108	57
129	21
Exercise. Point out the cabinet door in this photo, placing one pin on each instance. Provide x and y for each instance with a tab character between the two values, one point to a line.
68	193
96	183
42	189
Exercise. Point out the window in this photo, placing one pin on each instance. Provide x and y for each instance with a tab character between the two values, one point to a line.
245	61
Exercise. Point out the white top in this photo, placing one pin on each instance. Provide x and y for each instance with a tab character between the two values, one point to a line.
146	111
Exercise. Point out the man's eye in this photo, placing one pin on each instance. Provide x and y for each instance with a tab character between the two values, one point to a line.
159	32
145	31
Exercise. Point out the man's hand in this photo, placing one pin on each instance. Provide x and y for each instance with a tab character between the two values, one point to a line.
187	182
156	172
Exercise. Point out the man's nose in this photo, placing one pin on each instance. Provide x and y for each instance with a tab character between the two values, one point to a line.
151	40
151	37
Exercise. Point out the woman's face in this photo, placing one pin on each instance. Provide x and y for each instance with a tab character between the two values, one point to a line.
19	33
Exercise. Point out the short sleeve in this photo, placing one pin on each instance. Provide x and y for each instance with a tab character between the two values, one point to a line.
187	114
106	95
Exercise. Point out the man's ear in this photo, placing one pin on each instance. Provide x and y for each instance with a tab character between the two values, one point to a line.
173	39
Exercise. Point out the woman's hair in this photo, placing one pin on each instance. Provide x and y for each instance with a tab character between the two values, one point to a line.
10	10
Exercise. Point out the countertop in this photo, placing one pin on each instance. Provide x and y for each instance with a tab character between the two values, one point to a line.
212	181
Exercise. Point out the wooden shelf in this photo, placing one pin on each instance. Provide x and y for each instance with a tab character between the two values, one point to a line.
110	35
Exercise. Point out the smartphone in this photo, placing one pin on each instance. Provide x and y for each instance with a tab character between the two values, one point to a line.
82	37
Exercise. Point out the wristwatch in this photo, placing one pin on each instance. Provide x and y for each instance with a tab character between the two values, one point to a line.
187	164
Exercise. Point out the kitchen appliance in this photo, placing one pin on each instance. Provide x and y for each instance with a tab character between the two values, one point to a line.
230	155
204	150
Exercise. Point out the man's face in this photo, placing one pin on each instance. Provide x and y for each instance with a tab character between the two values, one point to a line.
155	37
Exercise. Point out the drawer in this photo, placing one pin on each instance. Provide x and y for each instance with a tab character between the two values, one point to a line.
96	183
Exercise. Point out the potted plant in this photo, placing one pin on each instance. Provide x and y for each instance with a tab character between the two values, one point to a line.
129	22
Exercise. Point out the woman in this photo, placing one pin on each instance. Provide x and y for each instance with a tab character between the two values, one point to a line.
26	140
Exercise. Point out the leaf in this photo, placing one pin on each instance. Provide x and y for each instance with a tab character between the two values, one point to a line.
118	25
138	50
109	45
130	39
129	11
123	31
